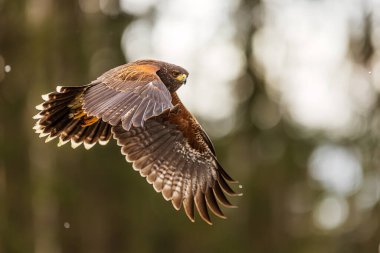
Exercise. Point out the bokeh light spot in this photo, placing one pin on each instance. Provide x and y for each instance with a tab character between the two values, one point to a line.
7	68
66	225
330	213
336	168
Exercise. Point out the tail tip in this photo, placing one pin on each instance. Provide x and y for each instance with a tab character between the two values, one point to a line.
45	96
37	116
75	144
40	107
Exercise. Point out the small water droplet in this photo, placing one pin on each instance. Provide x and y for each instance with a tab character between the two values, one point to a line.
7	68
370	72
66	225
240	186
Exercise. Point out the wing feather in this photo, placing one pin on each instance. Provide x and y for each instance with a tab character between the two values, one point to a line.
183	174
221	197
200	203
188	204
138	117
213	204
128	93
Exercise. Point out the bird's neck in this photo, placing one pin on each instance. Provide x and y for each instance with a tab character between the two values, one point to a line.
175	99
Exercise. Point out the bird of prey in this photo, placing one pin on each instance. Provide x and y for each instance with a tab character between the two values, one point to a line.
137	104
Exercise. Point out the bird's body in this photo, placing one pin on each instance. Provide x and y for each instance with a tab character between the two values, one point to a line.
137	104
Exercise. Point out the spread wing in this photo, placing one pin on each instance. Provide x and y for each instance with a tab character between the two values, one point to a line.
129	94
184	174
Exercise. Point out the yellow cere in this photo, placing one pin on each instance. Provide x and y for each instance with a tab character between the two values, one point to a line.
181	77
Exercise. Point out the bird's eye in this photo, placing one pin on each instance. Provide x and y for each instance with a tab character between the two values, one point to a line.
176	73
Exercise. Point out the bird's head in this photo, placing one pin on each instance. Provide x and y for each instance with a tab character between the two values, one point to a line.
172	76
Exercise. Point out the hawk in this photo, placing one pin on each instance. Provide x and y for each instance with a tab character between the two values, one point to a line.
137	105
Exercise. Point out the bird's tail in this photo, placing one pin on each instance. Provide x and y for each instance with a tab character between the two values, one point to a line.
61	115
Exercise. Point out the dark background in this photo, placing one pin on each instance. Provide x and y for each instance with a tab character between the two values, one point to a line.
309	185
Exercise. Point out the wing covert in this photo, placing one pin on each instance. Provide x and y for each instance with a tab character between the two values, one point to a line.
127	94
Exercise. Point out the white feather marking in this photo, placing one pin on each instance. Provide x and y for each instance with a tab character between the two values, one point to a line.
62	142
49	138
45	96
88	145
59	89
103	142
75	144
40	107
38	128
43	135
37	116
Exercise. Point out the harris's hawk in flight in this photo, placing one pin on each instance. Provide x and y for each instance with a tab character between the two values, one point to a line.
137	104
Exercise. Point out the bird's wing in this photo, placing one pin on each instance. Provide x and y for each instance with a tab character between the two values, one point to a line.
130	94
175	159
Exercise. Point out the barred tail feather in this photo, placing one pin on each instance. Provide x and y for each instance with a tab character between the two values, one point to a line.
61	116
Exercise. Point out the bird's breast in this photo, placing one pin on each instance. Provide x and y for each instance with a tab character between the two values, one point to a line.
188	125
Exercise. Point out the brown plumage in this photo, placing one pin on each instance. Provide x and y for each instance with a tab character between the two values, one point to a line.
137	104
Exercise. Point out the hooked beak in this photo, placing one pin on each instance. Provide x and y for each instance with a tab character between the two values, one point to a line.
182	78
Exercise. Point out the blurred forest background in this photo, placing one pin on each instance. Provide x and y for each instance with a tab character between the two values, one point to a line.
287	89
